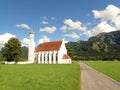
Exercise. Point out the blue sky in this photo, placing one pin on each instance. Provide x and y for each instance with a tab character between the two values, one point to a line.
52	20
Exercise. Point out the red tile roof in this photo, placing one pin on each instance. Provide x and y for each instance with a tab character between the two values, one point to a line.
47	46
65	56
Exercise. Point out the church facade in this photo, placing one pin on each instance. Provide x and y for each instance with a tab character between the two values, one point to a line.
48	53
52	53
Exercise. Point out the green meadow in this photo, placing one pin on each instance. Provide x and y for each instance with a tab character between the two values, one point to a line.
40	77
110	68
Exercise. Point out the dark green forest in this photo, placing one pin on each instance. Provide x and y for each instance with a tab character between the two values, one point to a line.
104	46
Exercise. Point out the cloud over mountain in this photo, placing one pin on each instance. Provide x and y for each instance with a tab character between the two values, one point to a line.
109	20
72	35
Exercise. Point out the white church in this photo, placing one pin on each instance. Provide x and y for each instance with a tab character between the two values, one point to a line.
48	53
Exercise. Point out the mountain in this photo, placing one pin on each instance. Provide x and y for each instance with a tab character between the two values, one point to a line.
103	46
111	38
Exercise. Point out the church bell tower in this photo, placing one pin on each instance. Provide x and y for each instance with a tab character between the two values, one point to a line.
31	47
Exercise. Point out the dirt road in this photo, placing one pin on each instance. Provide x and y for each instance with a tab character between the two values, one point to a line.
93	80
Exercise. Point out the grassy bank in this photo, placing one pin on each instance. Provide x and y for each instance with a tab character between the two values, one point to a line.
39	77
110	68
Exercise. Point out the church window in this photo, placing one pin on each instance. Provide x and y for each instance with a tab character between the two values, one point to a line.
36	58
41	57
56	58
48	57
52	58
44	58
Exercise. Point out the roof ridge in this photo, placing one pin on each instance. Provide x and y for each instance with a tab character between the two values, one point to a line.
47	46
53	41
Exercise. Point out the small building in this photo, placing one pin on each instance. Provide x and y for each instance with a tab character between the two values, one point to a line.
52	53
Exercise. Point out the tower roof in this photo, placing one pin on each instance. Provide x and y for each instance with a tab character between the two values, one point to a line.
47	46
31	32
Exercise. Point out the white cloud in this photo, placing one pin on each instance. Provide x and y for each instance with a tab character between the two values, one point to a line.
72	35
64	28
109	20
23	26
48	29
43	39
111	13
5	37
25	42
101	27
71	25
44	22
104	27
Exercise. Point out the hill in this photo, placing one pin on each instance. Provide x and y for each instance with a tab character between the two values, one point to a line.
104	46
112	38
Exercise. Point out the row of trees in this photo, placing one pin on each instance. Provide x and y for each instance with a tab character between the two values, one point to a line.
92	50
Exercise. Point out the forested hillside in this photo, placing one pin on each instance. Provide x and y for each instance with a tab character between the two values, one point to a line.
104	46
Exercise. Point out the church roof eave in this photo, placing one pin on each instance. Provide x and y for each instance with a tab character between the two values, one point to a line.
49	46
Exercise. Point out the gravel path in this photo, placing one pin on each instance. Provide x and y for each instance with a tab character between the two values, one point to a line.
93	80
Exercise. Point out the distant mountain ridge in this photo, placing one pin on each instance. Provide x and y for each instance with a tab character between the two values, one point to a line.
102	46
111	38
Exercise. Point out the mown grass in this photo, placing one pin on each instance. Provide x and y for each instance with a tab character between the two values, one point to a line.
39	77
110	68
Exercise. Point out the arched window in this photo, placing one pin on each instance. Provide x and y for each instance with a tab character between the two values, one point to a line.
56	58
40	57
36	57
52	57
48	57
44	58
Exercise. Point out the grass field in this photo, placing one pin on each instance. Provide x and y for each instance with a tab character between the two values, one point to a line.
40	77
110	68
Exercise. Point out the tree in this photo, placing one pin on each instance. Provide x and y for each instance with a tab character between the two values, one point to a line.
12	50
70	51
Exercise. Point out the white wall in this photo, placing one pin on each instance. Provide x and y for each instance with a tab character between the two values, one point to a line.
13	62
62	51
67	61
46	54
